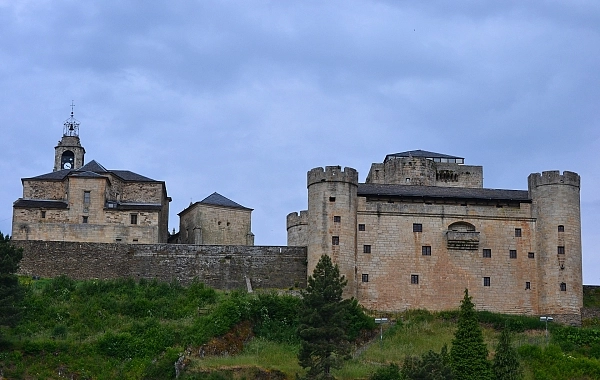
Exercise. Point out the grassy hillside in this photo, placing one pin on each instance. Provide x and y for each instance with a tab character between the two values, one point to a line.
126	330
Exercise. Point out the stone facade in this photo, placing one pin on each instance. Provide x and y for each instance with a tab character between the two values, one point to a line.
216	220
420	239
220	267
88	203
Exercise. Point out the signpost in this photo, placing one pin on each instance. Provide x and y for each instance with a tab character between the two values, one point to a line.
546	319
380	322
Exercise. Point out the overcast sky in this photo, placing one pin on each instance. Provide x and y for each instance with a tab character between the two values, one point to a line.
244	97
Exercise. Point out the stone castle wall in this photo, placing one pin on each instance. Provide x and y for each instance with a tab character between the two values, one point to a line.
221	267
218	225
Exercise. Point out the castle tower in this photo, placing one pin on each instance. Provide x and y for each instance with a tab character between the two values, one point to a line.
332	209
555	199
297	229
68	154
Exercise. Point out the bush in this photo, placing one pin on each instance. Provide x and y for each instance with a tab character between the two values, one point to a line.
389	372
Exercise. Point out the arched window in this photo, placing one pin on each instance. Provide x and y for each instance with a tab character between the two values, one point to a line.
461	227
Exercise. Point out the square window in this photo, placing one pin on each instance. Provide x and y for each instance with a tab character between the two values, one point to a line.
486	281
43	214
366	249
365	277
87	197
414	278
417	227
561	228
84	219
563	287
527	285
361	227
561	250
134	218
517	232
426	250
487	253
513	254
337	219
531	255
331	199
335	240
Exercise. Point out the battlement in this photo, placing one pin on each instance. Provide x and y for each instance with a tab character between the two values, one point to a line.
553	177
332	174
294	219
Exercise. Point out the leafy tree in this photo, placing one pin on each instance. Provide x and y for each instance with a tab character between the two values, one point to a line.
469	353
324	320
11	293
432	366
506	361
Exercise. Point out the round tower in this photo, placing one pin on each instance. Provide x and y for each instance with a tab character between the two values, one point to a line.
297	229
69	154
555	207
332	209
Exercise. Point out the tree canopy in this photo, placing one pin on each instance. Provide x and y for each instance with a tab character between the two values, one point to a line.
506	361
469	353
323	322
11	293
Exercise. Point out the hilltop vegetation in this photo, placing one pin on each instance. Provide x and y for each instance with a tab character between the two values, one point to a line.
127	330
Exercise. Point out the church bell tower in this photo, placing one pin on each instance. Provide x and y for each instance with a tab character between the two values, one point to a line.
68	154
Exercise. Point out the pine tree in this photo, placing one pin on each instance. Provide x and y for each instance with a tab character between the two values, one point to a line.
469	353
11	293
506	360
323	323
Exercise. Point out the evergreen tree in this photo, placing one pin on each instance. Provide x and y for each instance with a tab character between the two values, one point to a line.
11	293
323	323
506	361
468	354
432	366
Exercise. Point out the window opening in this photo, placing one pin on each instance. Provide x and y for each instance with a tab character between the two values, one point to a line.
337	219
365	277
361	227
331	199
84	219
531	255
561	228
486	281
513	254
487	253
134	218
366	249
414	279
527	285
563	287
561	250
43	214
86	197
517	232
426	250
417	227
335	240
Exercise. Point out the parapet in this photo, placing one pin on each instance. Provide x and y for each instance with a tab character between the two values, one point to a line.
294	219
553	177
332	174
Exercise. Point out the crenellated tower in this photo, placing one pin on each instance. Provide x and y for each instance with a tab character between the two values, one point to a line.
332	211
69	154
556	208
297	229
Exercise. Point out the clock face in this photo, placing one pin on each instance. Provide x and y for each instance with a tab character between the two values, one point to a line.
67	165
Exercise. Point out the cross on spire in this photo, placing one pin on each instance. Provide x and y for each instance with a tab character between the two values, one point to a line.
72	106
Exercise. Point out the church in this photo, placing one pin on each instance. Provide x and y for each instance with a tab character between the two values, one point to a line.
85	202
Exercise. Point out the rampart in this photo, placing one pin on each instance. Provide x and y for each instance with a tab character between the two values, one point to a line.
221	267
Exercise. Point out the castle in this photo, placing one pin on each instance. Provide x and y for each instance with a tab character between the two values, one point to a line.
420	230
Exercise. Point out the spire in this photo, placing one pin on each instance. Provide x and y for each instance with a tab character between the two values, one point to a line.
71	124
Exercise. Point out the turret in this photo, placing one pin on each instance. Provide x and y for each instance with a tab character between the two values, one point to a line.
332	209
555	205
297	229
69	154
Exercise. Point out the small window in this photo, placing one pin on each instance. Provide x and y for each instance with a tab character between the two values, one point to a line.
366	249
365	277
86	197
84	219
561	228
563	287
527	285
426	250
531	255
417	227
228	224
361	227
486	281
335	240
337	219
414	279
513	254
134	218
561	250
487	253
517	232
331	199
43	214
118	240
408	180
135	240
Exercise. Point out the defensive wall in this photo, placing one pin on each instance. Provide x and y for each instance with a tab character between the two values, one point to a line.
221	267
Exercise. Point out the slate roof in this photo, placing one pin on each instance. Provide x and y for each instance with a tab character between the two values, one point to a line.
37	203
421	192
91	169
217	199
420	153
